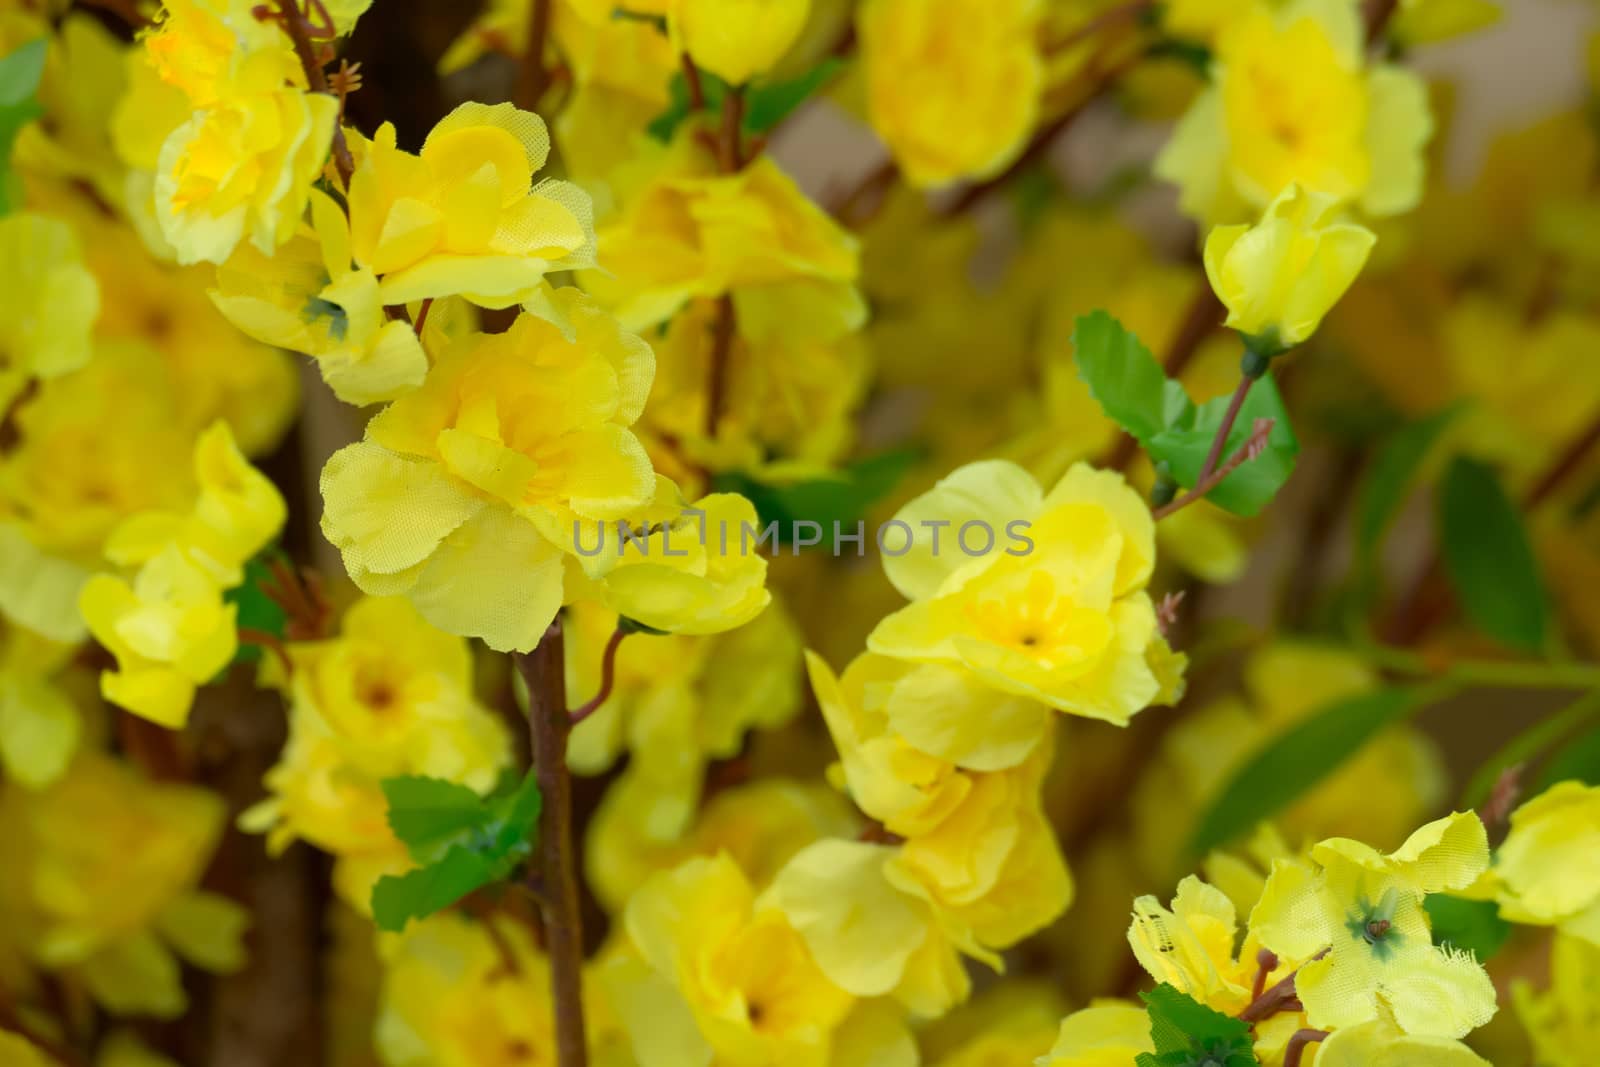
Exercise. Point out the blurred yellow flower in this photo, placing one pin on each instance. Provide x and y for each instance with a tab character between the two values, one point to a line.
40	726
1050	605
736	39
1280	277
1293	100
1562	1020
76	838
48	302
953	89
465	491
1108	1033
465	217
1547	871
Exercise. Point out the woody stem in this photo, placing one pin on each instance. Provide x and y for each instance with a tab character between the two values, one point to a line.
544	670
298	27
608	676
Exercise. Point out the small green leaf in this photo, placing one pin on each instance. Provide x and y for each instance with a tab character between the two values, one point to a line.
397	899
1577	762
1292	762
1393	471
1470	925
462	842
255	609
1186	1033
1249	489
1125	378
1489	558
427	814
679	108
768	105
844	498
20	71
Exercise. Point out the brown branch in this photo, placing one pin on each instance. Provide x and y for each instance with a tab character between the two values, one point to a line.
1279	998
300	30
534	79
1128	12
422	315
1295	1050
262	639
1252	448
544	669
608	675
717	374
728	148
1566	465
691	79
1229	417
1378	14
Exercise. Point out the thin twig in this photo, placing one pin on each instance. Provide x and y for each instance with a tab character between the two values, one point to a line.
262	639
691	79
1252	449
728	148
1128	12
1295	1050
534	78
422	315
300	30
544	669
1276	999
608	676
1378	14
1229	417
717	373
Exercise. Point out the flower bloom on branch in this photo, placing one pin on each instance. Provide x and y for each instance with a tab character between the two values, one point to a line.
1068	623
736	39
1293	99
952	88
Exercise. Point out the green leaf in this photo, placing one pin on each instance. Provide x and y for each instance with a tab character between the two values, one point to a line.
1126	379
1247	490
1527	746
1291	763
1489	558
20	71
1577	762
768	105
1470	925
396	900
462	842
844	498
1393	470
1186	1033
255	609
429	814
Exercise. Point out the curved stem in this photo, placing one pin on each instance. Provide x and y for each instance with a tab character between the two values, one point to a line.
608	676
1229	417
1253	447
1276	999
1295	1050
544	669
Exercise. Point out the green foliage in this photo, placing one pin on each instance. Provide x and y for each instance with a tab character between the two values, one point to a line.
1186	1033
843	498
1470	925
1530	743
20	72
765	105
460	841
1292	762
1393	470
1579	761
256	610
1489	558
1135	392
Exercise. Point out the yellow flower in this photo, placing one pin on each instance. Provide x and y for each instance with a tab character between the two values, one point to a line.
307	297
736	39
687	231
40	726
1203	20
1547	872
953	89
1365	909
1382	1044
731	980
1039	595
18	1051
48	306
466	490
1194	947
695	573
458	991
389	696
1108	1033
242	168
464	217
1014	1023
209	49
76	838
170	629
870	936
1280	277
1293	101
1563	1020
